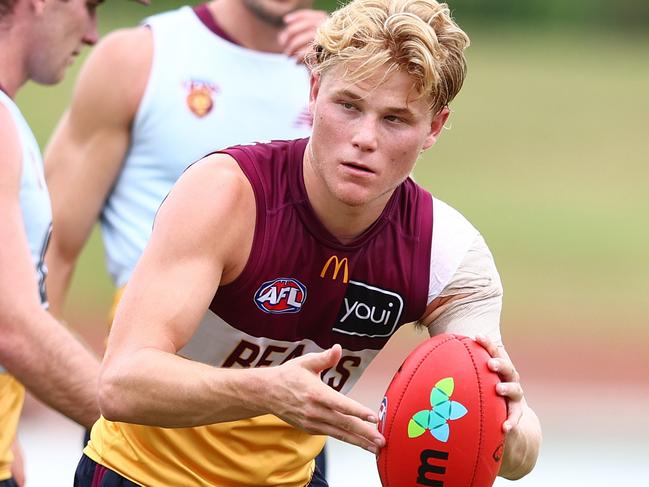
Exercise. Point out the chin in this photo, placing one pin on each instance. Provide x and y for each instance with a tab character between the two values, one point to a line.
268	14
50	77
353	203
354	199
356	195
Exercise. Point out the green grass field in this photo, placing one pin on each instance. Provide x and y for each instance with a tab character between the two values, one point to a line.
545	154
547	157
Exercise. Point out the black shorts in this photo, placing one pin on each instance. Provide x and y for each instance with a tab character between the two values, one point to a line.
91	474
8	483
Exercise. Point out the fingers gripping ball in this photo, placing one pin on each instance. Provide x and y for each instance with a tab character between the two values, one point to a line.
441	418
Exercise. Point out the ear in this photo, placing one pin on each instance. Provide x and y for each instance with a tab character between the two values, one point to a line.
313	92
436	126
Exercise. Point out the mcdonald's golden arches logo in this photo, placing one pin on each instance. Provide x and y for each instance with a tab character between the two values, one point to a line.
337	265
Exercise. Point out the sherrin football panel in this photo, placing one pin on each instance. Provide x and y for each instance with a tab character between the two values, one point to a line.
442	418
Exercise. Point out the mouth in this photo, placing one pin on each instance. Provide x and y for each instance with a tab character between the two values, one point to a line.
358	168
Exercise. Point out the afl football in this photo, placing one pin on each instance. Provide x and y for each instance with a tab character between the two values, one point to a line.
441	418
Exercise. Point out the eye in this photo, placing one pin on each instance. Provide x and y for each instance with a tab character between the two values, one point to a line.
393	119
347	106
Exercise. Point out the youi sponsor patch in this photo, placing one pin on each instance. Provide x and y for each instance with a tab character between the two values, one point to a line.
368	311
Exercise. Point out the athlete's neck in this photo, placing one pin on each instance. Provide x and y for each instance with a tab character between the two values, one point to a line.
203	12
244	27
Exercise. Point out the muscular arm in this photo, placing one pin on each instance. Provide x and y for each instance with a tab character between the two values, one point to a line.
198	242
470	305
85	154
35	348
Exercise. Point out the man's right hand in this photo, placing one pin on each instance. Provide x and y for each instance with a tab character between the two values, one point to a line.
299	397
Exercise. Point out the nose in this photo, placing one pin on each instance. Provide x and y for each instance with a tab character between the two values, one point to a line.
91	36
365	136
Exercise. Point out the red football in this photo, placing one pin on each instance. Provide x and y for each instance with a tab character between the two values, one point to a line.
441	418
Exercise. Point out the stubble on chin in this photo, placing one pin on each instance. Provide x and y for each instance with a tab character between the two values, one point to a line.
264	14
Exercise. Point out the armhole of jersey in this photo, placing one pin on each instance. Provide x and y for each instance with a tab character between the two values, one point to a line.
421	277
244	159
452	238
149	89
159	26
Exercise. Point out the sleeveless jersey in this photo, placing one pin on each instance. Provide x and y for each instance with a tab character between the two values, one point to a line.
37	218
204	93
301	291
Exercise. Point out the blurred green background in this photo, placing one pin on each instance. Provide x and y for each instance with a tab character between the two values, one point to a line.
545	153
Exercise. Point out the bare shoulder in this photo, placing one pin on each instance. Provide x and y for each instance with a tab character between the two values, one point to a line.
215	203
130	50
213	187
115	74
216	172
10	150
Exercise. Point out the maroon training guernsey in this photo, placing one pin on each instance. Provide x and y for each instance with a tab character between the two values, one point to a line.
302	290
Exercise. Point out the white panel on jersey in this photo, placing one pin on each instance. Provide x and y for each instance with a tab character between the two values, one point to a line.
217	343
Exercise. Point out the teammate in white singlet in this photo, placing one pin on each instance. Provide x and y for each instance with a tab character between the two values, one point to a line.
150	100
239	258
38	40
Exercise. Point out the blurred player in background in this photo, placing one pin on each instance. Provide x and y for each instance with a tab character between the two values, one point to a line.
264	292
38	41
152	99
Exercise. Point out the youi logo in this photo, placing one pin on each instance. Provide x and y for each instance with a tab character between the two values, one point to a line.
443	409
368	311
282	295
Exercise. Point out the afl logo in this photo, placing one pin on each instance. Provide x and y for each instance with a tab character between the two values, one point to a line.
283	295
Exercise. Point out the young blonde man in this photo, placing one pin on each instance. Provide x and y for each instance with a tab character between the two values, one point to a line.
264	290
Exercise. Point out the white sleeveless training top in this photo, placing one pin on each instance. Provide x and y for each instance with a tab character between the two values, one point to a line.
204	93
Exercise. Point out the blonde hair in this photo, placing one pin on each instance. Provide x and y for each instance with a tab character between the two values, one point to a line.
418	37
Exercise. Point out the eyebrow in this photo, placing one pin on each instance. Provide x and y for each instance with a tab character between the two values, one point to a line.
350	94
401	110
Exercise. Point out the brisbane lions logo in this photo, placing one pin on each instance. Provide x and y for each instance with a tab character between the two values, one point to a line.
200	96
279	296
